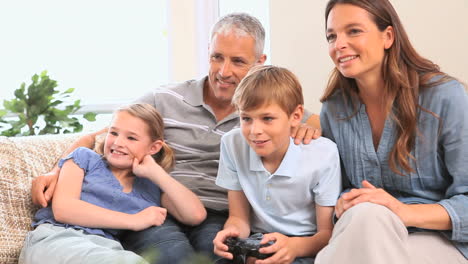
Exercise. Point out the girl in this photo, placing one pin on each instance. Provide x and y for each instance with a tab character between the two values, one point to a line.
401	126
96	197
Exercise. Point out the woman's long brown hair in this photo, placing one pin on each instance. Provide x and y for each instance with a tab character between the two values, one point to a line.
404	73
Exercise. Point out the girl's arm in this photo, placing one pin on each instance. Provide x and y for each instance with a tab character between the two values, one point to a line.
179	201
286	249
237	225
43	186
69	209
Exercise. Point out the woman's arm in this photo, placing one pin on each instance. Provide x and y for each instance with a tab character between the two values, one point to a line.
287	249
428	216
69	209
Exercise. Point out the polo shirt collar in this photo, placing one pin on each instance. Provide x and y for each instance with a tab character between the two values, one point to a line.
288	166
194	96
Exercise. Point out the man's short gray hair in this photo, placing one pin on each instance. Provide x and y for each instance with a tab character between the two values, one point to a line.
241	24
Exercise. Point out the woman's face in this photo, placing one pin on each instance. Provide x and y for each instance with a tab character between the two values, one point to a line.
356	45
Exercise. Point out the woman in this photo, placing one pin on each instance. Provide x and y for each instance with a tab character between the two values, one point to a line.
401	126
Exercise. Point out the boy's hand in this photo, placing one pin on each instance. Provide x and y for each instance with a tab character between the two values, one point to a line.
304	133
220	248
282	249
43	186
148	217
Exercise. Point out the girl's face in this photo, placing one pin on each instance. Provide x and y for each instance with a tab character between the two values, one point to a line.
128	138
356	45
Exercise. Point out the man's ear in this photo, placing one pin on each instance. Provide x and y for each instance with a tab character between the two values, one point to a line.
155	147
261	60
389	37
296	115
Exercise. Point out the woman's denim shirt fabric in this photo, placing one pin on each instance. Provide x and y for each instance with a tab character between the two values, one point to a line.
101	188
441	152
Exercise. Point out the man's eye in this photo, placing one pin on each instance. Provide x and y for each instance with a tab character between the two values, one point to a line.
113	133
245	119
238	61
216	57
268	118
132	138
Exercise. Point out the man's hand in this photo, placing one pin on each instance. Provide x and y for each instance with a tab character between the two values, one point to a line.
43	186
305	133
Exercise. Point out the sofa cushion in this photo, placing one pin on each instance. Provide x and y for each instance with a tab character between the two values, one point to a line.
22	159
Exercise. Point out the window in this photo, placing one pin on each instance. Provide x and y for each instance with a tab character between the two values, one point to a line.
110	51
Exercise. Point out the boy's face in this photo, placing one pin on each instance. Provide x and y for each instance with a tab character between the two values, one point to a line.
267	130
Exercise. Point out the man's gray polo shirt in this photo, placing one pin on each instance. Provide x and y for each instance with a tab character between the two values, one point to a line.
194	135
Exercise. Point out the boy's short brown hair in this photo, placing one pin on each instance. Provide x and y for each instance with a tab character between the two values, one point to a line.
268	84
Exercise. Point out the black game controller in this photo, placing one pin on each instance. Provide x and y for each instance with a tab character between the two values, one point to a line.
241	249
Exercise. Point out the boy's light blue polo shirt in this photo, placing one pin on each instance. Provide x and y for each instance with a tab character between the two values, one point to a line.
282	202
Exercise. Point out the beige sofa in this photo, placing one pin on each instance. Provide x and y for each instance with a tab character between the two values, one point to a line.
22	159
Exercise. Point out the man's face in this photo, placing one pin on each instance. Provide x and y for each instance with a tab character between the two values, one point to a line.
231	57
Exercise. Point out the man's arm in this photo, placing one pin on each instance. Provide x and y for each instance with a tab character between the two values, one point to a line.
314	121
43	186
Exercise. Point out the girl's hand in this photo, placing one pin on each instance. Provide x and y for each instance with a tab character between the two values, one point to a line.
146	167
369	193
148	217
282	249
220	248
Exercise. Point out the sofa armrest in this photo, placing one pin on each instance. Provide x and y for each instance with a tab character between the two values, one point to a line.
22	159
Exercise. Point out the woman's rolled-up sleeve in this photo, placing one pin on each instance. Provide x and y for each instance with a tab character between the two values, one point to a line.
454	146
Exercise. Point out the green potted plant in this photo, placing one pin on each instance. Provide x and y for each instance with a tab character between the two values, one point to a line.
41	109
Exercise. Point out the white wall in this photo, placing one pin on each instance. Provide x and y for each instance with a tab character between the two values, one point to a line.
437	29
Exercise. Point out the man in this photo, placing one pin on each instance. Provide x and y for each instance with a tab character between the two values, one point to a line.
196	114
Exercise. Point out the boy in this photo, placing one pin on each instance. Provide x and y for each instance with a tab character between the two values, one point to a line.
283	190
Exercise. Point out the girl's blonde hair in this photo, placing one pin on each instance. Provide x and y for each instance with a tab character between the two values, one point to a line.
268	84
148	114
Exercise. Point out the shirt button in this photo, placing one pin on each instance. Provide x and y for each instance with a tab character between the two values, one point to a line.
268	198
268	185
